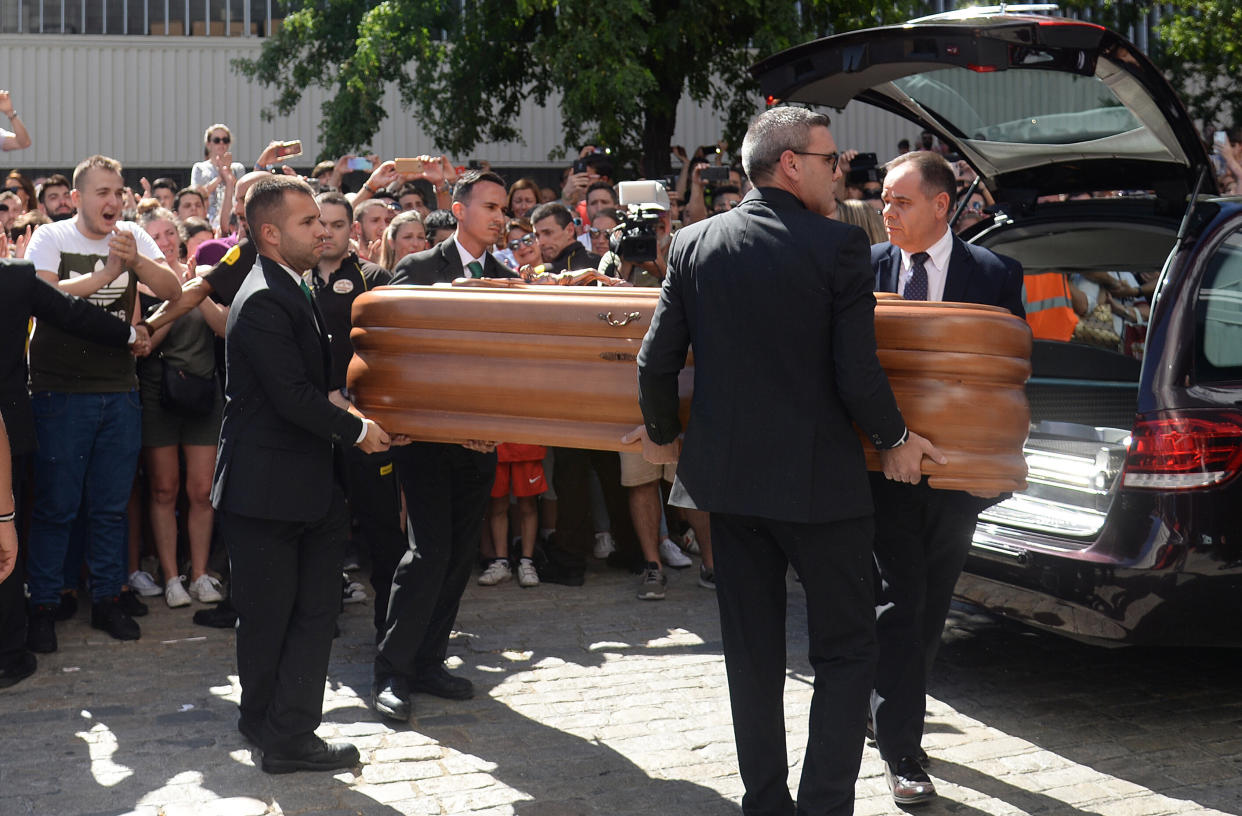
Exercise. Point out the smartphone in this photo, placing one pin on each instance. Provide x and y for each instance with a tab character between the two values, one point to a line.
413	166
707	151
714	175
580	166
359	163
1220	138
287	150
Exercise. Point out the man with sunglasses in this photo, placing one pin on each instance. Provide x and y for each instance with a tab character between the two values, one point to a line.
776	299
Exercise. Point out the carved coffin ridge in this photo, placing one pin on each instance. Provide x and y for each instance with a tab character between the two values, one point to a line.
556	366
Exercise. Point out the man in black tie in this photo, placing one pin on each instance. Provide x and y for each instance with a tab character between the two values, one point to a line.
776	300
922	535
276	492
446	486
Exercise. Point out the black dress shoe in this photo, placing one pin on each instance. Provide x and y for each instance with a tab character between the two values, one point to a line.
391	699
310	754
220	616
130	604
41	629
437	681
68	606
109	617
923	759
908	782
18	670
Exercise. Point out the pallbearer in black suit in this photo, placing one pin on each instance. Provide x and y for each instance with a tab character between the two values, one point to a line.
446	487
776	299
922	535
276	489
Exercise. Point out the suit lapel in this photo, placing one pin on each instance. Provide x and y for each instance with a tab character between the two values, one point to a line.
292	290
452	269
890	271
961	267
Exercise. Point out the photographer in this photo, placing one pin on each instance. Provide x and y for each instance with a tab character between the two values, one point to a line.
593	166
638	250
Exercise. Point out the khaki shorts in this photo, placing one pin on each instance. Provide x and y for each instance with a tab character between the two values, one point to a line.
635	470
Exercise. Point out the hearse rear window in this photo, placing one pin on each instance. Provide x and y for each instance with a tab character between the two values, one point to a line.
1219	313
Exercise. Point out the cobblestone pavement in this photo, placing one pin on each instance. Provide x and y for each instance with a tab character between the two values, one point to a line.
591	702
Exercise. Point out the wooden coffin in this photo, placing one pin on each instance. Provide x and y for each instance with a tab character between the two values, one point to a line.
556	366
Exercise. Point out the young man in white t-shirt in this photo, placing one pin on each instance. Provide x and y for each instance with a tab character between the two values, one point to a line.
85	395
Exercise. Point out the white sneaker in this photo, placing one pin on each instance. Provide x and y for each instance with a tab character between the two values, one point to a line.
604	545
175	594
690	543
140	581
672	555
527	576
496	572
206	589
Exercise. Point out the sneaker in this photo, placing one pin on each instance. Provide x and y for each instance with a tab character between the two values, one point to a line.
353	592
109	617
672	555
605	545
652	587
690	542
206	589
175	594
41	629
707	577
140	581
496	572
527	576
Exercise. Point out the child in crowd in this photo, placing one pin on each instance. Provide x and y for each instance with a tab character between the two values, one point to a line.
519	471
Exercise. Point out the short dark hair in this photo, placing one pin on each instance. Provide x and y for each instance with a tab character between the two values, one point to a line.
934	169
333	197
522	224
194	225
366	204
411	188
601	185
164	183
552	209
464	187
266	199
54	180
323	168
185	191
438	220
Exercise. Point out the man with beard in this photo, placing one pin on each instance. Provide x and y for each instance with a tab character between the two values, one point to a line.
54	198
275	490
447	486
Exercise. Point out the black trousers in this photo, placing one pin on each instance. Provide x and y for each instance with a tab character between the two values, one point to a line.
834	561
921	543
286	587
575	529
12	599
446	494
375	501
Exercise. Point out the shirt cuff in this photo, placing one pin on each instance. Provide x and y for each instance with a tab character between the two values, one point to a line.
905	437
362	435
133	336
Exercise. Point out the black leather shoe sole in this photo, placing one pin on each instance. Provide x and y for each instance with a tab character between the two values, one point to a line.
390	705
331	758
19	670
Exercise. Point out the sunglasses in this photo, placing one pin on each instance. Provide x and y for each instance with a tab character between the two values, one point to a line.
4	207
528	239
14	190
220	140
595	232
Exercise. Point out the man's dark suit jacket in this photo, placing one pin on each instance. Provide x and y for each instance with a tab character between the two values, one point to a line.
442	264
24	294
777	302
275	459
976	275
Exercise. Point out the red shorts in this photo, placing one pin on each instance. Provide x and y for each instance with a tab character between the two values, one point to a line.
522	478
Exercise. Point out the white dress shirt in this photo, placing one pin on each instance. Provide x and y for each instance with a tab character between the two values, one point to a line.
467	258
937	266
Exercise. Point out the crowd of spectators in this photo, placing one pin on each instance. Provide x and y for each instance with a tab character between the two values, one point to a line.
145	420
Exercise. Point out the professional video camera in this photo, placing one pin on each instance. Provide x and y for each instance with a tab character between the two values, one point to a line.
643	203
864	168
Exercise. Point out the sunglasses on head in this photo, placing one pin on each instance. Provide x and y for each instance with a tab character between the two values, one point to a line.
221	140
526	240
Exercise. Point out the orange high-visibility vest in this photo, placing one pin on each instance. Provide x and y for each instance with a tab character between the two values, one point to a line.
1048	308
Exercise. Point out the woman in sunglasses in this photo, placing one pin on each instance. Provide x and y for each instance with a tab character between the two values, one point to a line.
521	245
20	186
207	174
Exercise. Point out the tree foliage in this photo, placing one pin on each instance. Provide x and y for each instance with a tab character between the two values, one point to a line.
466	69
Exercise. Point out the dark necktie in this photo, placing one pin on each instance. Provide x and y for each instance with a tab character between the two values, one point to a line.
916	287
474	269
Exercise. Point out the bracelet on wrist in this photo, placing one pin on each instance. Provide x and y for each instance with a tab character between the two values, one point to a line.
14	115
9	516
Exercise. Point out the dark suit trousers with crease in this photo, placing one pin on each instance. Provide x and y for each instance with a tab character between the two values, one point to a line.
834	561
286	587
446	493
921	542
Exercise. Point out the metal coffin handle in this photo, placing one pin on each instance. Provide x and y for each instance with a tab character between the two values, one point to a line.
611	321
